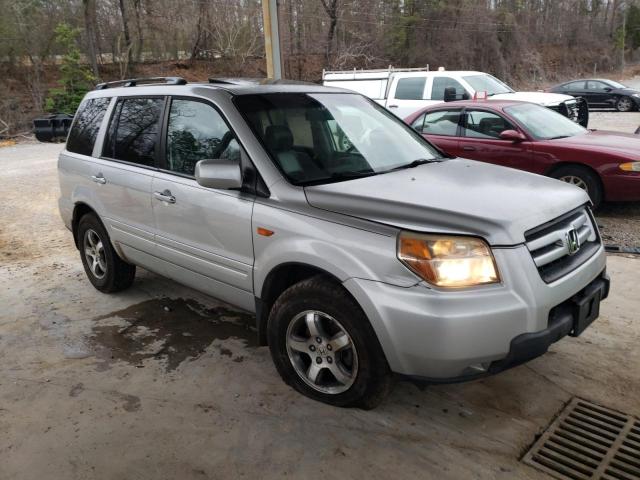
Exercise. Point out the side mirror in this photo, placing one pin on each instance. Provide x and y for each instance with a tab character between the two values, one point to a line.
219	173
512	135
608	89
450	94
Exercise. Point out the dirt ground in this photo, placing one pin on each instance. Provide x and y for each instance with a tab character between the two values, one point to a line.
162	382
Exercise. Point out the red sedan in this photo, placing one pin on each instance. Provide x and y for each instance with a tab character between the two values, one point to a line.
536	139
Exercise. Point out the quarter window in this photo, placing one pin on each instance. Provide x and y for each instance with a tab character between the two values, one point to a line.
441	122
133	132
86	126
196	131
481	124
441	83
411	88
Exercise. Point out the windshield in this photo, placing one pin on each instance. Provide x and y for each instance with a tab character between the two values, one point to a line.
615	84
543	123
487	83
329	137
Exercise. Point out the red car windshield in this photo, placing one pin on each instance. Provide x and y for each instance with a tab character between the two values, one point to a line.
543	123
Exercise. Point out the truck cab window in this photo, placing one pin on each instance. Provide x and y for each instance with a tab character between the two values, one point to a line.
411	88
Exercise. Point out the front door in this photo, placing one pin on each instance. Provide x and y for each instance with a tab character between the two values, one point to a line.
481	141
203	235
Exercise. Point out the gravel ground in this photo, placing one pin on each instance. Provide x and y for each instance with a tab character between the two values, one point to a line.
619	222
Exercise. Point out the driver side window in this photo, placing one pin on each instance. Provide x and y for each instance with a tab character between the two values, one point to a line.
195	132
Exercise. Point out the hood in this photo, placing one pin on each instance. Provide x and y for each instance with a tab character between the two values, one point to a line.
453	196
541	98
626	144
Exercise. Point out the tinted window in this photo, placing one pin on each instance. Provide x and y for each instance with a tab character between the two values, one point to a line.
594	85
574	86
87	123
440	83
196	131
482	124
133	131
441	122
410	88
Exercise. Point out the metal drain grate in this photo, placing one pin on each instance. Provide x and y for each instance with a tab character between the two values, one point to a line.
588	441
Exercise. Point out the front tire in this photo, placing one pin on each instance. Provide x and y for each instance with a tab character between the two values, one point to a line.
624	104
106	271
323	346
581	177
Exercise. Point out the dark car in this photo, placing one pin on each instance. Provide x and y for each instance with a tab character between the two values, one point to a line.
599	92
529	137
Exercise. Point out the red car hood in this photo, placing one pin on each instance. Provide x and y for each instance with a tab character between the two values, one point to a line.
625	143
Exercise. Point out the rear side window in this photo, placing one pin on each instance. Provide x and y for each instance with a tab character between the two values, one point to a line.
441	122
134	130
86	126
411	88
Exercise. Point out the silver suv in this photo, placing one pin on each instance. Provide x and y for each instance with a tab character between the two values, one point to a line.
361	248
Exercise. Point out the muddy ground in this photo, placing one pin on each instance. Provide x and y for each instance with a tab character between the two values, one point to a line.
162	382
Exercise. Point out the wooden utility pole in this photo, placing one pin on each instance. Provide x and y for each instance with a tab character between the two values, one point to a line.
272	38
624	34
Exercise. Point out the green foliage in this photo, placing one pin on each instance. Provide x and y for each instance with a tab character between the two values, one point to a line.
75	78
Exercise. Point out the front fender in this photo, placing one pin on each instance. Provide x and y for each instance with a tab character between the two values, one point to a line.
340	250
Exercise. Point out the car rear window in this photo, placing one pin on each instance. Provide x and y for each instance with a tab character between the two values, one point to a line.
86	125
134	129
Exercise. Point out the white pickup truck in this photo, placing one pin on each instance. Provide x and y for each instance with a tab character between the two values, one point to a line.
404	91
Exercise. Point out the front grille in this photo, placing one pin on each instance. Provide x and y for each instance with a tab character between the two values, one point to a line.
551	244
588	441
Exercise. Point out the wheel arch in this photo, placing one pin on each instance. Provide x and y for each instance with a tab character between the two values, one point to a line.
557	166
280	278
80	209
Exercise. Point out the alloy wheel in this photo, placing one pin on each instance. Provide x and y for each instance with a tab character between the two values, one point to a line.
94	253
321	352
624	104
577	181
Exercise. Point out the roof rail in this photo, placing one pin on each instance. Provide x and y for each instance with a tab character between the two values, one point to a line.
132	82
389	69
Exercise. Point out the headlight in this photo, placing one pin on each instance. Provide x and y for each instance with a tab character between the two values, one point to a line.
630	166
448	261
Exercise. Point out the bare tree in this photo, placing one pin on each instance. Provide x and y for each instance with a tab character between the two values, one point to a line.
331	7
89	10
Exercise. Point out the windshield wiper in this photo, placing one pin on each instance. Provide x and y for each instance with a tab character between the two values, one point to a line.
412	164
559	136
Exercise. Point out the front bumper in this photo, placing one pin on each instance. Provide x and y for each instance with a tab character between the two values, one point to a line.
456	335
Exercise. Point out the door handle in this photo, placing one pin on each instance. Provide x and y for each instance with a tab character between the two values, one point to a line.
468	148
165	196
99	179
393	106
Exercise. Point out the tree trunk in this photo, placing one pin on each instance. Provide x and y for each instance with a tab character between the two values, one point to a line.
90	31
137	7
331	7
127	36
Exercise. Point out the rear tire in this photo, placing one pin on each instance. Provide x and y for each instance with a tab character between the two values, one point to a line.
581	177
106	271
343	342
624	104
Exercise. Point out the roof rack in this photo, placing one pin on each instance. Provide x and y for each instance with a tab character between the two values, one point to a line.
389	69
132	82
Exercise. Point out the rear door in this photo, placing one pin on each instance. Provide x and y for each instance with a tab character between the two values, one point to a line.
407	94
124	173
442	128
203	234
481	140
